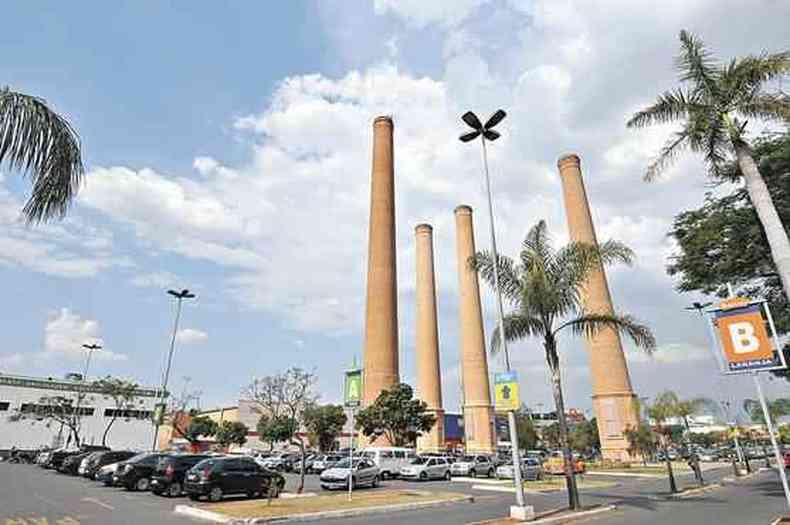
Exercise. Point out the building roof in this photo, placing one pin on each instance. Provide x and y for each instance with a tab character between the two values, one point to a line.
64	385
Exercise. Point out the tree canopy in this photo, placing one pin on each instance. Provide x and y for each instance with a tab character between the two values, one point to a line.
325	423
231	433
723	241
396	415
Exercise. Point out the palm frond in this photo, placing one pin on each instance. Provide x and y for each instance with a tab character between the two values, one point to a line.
696	65
536	246
768	106
483	263
667	155
670	106
39	142
517	327
591	323
755	70
715	145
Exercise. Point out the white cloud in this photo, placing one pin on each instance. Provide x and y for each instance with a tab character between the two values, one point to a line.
191	336
157	279
422	13
66	332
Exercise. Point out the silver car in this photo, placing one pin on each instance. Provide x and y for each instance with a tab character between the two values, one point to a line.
531	470
322	463
362	472
474	465
425	468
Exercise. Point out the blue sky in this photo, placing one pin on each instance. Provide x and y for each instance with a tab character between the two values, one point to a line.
227	151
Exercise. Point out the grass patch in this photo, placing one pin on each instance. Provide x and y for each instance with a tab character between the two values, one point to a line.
640	469
323	503
558	483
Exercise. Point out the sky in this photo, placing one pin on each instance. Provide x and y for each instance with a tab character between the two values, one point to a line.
227	149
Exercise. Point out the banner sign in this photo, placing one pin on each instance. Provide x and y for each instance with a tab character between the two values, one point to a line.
506	391
352	391
747	337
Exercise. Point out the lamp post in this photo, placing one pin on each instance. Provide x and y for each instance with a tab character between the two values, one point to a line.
485	132
180	296
92	347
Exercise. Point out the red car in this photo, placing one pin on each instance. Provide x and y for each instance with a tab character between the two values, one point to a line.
786	458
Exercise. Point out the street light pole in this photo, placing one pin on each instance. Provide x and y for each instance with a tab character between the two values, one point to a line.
485	132
180	296
90	348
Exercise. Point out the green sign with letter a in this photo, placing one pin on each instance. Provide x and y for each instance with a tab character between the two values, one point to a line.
352	392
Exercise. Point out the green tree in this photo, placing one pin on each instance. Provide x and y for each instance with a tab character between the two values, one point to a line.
641	441
396	415
326	423
684	409
527	435
660	412
711	238
714	105
123	393
583	437
544	290
199	427
36	140
776	409
230	433
65	411
550	436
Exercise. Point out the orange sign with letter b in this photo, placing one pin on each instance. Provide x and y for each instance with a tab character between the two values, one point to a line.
744	338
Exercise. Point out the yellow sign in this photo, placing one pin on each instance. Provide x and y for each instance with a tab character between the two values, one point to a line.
506	391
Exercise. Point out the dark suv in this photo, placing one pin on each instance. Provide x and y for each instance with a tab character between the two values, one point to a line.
136	474
215	477
100	459
168	478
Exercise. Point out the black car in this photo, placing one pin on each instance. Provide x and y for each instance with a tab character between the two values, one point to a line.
215	477
56	458
100	459
136	473
72	463
168	478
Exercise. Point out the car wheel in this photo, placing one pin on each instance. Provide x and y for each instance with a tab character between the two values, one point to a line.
174	490
448	476
472	473
423	476
194	497
385	475
490	473
215	494
375	482
142	484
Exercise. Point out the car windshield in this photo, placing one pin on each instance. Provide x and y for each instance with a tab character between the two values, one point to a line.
138	457
532	462
468	459
420	461
345	462
205	464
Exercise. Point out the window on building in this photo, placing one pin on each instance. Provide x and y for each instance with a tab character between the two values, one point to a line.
4	406
127	413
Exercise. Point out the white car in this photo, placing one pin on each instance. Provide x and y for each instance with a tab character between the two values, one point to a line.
425	468
531	470
474	466
389	460
364	472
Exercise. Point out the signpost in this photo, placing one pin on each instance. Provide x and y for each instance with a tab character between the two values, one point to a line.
745	333
506	395
352	398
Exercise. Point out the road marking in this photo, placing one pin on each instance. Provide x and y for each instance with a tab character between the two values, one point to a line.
99	503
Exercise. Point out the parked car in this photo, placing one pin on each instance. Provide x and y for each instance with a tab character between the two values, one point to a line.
425	468
786	459
55	460
324	462
556	464
389	460
707	456
531	470
474	465
282	462
217	476
136	473
168	477
100	459
362	471
71	464
107	473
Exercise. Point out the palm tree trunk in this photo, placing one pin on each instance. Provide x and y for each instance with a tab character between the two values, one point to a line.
766	211
107	431
559	403
673	488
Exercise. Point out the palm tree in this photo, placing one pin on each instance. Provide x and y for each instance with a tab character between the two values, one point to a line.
39	142
715	105
660	411
545	291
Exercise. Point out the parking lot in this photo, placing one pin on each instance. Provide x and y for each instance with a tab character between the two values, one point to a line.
30	495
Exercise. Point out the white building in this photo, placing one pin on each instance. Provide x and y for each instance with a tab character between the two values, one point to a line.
132	429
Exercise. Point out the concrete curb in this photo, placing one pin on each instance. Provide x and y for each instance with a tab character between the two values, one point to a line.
215	517
567	518
624	475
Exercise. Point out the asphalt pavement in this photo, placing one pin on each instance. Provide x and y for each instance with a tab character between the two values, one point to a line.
30	495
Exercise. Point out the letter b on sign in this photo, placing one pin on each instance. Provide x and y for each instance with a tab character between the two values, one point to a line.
743	338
